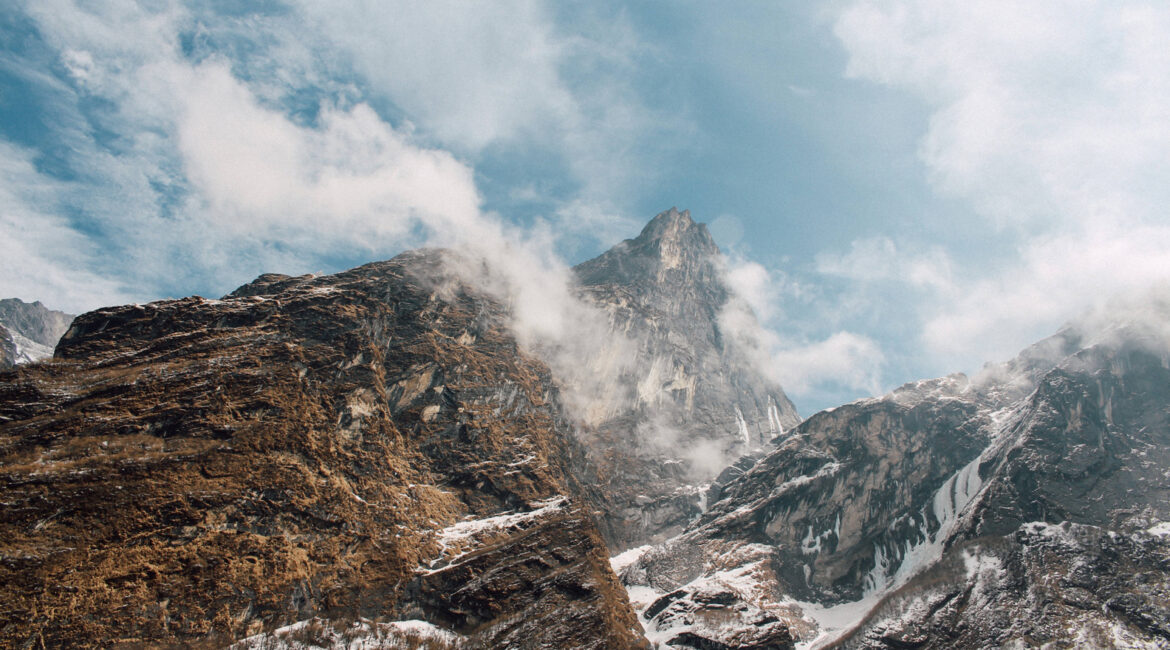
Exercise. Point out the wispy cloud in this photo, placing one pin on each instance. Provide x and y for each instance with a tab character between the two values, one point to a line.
754	320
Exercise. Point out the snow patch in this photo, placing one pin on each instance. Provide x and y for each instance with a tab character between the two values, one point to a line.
1161	530
363	634
460	537
628	557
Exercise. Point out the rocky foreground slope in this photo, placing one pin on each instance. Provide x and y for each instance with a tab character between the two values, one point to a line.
1026	508
368	446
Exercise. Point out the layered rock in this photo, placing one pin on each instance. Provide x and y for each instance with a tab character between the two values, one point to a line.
29	331
367	447
689	400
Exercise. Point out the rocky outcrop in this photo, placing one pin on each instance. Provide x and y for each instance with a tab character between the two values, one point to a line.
28	331
8	350
690	401
369	448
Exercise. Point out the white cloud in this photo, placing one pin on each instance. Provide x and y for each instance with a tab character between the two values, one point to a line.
473	73
512	76
880	259
353	179
846	359
1053	120
206	179
753	283
841	361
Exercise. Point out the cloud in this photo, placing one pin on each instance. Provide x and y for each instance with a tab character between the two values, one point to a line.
1053	121
198	177
841	361
753	283
526	76
878	259
351	180
845	359
474	74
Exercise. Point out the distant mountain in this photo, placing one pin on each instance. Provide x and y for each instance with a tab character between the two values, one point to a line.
691	401
29	331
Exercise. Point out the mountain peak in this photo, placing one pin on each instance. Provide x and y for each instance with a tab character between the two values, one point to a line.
670	250
678	228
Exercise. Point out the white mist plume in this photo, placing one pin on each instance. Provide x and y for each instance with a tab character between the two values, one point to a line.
844	358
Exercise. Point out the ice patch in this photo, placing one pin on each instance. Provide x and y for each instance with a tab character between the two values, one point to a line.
743	428
628	557
834	621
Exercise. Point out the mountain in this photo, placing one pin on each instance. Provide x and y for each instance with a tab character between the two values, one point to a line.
373	459
366	454
692	401
1023	508
29	331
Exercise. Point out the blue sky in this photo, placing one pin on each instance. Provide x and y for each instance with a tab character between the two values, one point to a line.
904	188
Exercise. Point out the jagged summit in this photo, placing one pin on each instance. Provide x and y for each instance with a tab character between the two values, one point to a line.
672	252
673	226
690	402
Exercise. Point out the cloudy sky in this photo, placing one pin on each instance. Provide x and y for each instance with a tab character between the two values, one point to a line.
905	188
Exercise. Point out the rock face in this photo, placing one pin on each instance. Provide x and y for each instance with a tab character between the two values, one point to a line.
366	447
29	331
1065	542
1009	511
691	400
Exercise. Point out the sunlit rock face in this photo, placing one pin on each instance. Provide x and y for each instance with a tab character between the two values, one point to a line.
368	452
1025	507
691	401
